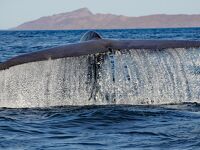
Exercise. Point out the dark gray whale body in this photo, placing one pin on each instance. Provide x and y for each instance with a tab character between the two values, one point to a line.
95	45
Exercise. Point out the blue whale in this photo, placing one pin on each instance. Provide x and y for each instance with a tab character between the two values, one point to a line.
92	43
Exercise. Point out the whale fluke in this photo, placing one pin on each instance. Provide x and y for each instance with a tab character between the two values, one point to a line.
90	35
92	43
99	71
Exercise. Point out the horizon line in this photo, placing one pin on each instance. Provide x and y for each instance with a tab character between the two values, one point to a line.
82	8
10	30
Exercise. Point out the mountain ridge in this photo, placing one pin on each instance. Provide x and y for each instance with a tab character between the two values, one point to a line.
83	18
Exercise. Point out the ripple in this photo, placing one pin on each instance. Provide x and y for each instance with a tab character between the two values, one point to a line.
94	127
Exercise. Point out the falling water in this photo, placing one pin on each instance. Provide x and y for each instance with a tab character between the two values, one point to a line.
134	76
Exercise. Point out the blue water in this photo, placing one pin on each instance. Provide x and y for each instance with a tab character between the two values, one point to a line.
96	127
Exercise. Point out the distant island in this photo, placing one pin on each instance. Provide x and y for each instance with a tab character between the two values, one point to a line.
84	19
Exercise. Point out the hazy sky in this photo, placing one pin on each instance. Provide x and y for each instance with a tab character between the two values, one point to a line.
15	12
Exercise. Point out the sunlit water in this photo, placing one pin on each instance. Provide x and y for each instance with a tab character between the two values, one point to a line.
174	126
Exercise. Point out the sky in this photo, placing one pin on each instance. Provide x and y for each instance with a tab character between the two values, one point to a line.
15	12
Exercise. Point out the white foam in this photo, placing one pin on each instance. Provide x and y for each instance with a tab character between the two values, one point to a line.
126	77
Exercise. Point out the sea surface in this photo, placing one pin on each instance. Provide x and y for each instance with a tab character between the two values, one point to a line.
172	126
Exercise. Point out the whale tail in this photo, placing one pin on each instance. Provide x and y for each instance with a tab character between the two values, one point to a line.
90	35
148	72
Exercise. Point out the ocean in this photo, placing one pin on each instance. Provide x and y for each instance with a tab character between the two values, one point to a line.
113	126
